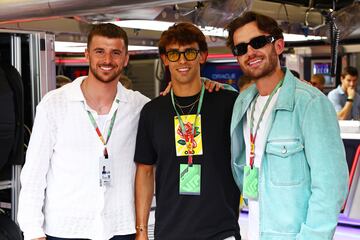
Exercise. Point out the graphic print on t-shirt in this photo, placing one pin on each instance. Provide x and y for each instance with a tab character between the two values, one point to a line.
182	139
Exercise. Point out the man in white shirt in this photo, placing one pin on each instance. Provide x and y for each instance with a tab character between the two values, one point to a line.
79	129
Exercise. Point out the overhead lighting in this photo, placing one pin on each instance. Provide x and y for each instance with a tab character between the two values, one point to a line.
207	30
144	24
300	38
162	26
75	47
70	47
141	48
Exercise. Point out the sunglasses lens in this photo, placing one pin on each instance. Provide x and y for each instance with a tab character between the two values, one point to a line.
173	55
190	54
258	42
240	49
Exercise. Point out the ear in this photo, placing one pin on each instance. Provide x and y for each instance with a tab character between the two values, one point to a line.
126	60
87	54
342	78
203	57
238	59
164	59
279	46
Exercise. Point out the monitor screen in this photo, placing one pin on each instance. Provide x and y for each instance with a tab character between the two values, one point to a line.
324	67
223	72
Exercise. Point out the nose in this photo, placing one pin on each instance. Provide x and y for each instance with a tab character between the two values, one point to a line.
182	58
107	57
250	50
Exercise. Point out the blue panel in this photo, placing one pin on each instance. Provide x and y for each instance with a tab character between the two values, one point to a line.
222	72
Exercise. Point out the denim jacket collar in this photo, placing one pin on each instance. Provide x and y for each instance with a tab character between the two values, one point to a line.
285	101
286	97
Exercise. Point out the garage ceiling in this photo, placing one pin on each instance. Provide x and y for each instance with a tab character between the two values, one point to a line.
70	19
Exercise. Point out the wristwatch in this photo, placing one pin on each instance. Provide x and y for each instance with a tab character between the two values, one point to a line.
349	100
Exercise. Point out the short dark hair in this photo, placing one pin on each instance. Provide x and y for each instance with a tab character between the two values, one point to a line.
182	33
108	30
264	23
349	71
319	77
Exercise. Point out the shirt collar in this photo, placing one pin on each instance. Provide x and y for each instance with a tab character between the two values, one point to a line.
75	93
341	91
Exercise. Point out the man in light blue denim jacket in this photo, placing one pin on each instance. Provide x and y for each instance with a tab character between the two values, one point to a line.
287	154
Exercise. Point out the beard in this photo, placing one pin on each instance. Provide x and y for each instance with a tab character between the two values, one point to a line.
105	78
268	68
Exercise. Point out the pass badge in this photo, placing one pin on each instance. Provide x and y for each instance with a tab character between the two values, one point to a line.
104	171
251	183
190	179
183	139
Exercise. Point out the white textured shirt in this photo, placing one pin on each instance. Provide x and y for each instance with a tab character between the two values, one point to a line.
61	195
260	142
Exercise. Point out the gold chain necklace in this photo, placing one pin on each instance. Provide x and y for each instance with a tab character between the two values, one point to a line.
187	106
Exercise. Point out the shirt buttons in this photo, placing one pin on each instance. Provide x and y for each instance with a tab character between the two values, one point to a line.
283	150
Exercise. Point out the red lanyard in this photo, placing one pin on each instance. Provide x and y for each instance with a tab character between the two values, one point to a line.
254	133
93	122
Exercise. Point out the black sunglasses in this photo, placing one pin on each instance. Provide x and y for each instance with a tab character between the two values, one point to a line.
190	54
256	43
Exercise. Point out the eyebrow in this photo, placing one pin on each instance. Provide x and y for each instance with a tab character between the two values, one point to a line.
177	49
112	50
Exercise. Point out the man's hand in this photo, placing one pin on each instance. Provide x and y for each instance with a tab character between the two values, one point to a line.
42	238
351	93
167	90
209	85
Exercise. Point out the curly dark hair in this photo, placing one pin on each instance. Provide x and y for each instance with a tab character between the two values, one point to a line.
264	23
182	33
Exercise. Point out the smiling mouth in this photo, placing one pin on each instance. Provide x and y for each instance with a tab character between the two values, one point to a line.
106	68
254	62
183	69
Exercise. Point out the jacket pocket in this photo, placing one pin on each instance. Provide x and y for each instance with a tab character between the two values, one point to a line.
286	161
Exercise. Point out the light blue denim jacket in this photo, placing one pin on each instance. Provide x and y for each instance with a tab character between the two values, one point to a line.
304	174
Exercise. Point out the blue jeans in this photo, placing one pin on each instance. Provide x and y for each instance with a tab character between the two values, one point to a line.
118	237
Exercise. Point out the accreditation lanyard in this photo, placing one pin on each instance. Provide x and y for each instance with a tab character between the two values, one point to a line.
93	122
254	133
189	144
